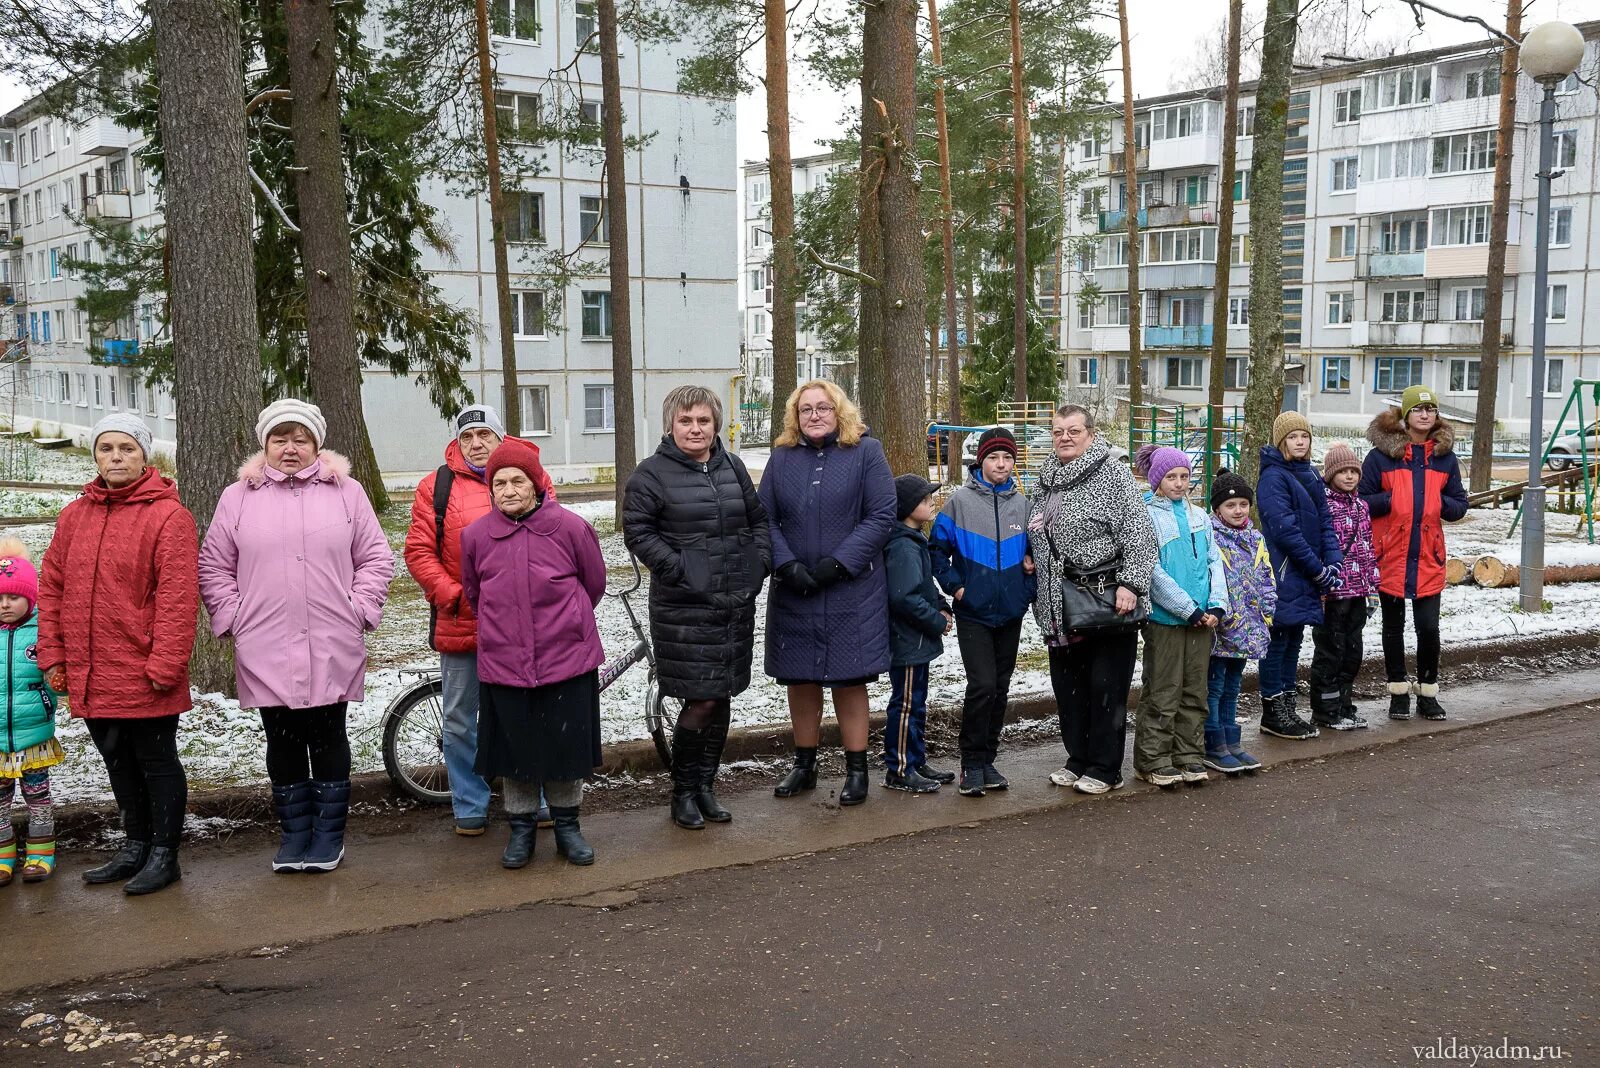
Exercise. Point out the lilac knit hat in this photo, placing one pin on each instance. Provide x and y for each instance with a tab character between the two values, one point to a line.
1154	461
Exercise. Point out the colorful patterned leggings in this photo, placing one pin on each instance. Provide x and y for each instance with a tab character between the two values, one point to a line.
36	795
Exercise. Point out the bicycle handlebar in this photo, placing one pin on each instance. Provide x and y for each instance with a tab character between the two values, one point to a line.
638	580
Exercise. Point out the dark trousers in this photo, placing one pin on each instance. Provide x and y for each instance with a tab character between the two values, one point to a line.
903	746
1425	621
989	655
1091	679
1277	668
306	743
147	780
1336	659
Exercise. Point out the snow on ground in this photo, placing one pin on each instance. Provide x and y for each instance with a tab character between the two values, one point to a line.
222	743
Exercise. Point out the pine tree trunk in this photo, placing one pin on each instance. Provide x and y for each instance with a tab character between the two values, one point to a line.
616	207
903	433
1059	337
1219	306
324	210
211	290
780	170
947	211
869	330
1130	177
1482	470
1019	216
1263	397
510	393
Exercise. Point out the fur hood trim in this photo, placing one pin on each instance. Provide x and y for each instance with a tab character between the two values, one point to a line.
1390	438
335	468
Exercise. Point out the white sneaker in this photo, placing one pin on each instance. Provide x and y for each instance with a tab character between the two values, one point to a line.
1063	777
1087	784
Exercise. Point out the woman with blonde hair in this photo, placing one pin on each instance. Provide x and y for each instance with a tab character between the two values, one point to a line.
830	498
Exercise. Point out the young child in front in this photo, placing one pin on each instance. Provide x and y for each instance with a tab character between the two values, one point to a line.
1245	630
1189	597
918	621
31	747
1336	660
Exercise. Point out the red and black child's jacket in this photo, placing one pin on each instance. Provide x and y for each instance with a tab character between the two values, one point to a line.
1411	489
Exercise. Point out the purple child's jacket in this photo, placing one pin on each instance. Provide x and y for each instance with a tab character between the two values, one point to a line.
1352	525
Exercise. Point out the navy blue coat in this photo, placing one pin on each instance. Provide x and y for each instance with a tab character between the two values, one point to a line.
835	501
1293	504
916	620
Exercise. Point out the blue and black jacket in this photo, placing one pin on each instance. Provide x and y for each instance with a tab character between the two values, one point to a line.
978	542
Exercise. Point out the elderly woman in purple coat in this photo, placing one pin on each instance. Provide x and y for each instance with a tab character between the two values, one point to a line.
829	495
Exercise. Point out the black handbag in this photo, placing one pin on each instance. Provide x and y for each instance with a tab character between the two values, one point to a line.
1089	602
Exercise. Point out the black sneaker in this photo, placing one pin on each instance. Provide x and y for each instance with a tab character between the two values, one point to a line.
1194	774
993	780
936	775
912	782
971	782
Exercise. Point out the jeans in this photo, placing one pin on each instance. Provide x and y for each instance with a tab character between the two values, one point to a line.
903	746
147	780
1425	619
1091	679
989	656
469	794
1283	657
1222	701
306	743
1172	707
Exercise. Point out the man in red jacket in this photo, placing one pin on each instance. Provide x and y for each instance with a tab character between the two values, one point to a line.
433	556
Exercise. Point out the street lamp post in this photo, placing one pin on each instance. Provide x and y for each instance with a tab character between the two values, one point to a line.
1549	53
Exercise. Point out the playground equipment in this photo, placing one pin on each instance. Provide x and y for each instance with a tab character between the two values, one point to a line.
1569	478
1188	427
1029	423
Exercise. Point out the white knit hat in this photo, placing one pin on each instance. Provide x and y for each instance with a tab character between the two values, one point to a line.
475	415
290	410
123	423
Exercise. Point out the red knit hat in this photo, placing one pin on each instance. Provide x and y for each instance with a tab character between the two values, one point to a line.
17	573
514	452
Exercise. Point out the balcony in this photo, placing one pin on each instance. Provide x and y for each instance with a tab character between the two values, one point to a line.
101	136
109	206
119	350
1391	265
1117	221
1180	215
1465	261
1197	150
8	176
1109	339
1117	162
1178	337
1160	276
1430	335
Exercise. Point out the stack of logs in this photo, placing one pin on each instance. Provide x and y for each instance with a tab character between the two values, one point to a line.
1493	573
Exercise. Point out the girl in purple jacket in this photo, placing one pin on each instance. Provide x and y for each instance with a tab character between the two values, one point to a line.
533	573
1245	632
1337	639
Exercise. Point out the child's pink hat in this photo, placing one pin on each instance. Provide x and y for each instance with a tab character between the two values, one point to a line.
17	573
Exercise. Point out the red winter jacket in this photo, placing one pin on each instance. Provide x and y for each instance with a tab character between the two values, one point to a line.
1412	491
437	568
118	594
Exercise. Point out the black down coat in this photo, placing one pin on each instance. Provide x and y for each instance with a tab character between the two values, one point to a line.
702	532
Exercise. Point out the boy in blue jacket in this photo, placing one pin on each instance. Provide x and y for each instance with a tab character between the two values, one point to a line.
918	621
980	557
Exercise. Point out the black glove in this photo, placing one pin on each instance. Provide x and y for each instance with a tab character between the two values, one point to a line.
1328	579
797	579
830	572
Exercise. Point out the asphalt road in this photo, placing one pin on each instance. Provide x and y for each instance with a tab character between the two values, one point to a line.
1438	893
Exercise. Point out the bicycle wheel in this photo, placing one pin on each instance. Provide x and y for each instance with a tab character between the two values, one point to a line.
659	720
413	744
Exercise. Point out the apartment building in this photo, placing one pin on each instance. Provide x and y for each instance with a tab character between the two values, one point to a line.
1388	182
681	214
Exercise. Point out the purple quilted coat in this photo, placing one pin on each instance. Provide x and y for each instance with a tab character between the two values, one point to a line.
1352	525
838	501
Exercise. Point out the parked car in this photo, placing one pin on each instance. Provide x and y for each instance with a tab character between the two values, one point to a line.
1569	449
939	447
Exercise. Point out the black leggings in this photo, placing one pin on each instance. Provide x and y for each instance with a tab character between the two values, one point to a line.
306	743
1425	620
147	780
698	715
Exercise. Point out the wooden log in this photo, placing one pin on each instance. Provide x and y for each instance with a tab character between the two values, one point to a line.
1457	570
1490	573
1494	574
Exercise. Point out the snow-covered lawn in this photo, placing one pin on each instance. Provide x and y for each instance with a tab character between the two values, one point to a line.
222	744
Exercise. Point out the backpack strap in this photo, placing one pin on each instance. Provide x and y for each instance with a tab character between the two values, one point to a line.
443	480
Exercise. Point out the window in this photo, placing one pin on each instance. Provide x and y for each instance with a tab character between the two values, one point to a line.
1116	309
587	25
1089	201
1461	226
1114	251
596	314
1236	372
97	398
1566	148
119	176
49	137
524	214
61	318
1091	146
44	330
1088	371
1149	193
1396	374
1464	152
111	385
83	390
1184	372
1141	132
527	313
535	410
1194	189
517	19
1469	303
594	226
1182	120
64	383
597	409
1395	159
1346	174
760	191
1402	235
1241	186
33	143
1342	242
1186	311
1123	371
1085	316
1481	83
1397	88
147	321
589	116
1238	311
758	323
1555	375
79	320
1561	226
1182	246
517	116
1404	306
1346	106
1464	375
150	397
1336	374
55	263
1239	253
1341	308
1569	84
55	201
1555	304
71	258
1247	120
138	176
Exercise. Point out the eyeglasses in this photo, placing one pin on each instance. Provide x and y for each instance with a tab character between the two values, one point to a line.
1426	408
1070	433
821	411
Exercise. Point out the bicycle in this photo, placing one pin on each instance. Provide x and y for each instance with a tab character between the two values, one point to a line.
413	724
